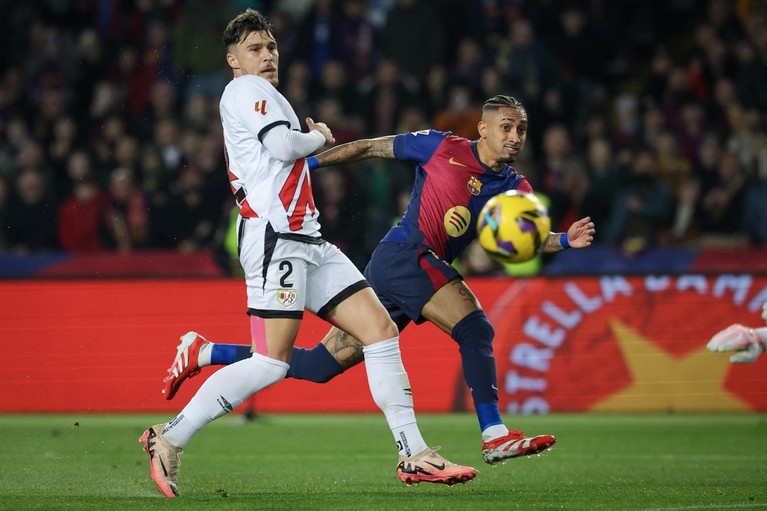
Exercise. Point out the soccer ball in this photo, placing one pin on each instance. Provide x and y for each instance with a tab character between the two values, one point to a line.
512	226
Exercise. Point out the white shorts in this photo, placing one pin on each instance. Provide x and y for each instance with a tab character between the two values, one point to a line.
285	276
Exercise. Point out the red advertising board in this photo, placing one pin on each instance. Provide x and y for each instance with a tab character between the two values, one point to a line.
562	344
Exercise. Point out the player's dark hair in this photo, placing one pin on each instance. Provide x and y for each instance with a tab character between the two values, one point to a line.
246	22
501	101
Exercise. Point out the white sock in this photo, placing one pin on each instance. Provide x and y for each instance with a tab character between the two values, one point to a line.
224	391
496	431
203	358
390	388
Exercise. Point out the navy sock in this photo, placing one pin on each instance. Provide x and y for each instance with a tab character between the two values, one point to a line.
225	354
474	335
316	364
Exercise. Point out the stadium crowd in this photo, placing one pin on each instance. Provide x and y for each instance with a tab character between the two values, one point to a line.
650	116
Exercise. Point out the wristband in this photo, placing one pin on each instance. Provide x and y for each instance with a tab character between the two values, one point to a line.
563	240
312	162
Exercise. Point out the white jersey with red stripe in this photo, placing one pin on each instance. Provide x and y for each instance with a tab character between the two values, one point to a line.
265	187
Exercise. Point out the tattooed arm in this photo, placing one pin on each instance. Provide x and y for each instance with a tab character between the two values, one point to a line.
382	147
579	235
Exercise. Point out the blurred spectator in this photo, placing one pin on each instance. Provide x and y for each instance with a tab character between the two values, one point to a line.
673	167
355	36
341	212
721	215
188	220
643	206
81	216
200	59
32	215
563	179
6	198
602	172
333	83
383	97
462	113
127	215
413	37
528	66
434	90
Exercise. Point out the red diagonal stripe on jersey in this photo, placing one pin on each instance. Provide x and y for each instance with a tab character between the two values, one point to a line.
305	199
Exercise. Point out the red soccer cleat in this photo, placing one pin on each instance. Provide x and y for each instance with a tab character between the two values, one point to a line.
185	364
513	445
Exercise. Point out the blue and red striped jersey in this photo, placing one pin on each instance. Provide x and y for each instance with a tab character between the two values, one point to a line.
451	186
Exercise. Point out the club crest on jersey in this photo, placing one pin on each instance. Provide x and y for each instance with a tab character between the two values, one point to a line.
456	221
474	185
287	297
261	107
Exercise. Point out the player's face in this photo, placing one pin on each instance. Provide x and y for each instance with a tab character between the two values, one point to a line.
255	55
505	132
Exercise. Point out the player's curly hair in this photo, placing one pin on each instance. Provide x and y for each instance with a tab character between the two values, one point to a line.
243	24
501	101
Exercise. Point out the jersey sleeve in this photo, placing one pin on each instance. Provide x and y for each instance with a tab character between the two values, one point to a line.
418	146
524	185
259	108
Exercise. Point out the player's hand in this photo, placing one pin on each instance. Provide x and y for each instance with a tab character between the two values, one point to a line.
581	233
322	128
740	339
764	311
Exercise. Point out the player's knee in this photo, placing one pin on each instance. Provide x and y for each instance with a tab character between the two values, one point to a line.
474	332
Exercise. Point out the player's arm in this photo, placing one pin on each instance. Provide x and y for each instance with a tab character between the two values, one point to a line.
288	145
579	235
381	147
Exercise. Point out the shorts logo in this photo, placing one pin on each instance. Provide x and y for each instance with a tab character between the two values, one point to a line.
474	185
287	297
456	221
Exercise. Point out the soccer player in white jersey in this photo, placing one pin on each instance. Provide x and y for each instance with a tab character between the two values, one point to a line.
745	343
289	268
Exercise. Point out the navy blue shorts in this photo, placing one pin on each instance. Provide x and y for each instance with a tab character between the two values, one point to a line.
405	276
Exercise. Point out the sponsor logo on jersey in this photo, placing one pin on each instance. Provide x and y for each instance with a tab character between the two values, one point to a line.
287	297
474	185
452	161
456	221
261	107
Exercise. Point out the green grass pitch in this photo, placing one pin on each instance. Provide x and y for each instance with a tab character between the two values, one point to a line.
347	462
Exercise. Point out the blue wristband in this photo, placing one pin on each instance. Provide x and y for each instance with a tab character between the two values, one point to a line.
563	240
312	162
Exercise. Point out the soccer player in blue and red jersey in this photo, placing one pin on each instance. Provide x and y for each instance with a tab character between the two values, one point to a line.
411	269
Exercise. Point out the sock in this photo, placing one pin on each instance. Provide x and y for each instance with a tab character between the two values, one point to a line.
225	354
474	335
390	388
221	393
316	364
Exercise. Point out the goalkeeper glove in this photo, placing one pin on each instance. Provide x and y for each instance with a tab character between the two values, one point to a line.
747	343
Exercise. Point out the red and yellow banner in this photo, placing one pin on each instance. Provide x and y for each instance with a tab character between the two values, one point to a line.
562	344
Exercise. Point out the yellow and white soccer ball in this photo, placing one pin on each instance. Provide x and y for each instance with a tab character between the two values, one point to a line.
512	226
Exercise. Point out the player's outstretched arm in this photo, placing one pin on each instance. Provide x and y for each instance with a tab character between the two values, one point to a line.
746	343
579	235
381	147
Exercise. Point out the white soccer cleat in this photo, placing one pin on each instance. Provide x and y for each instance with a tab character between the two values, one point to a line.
164	460
740	339
429	467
